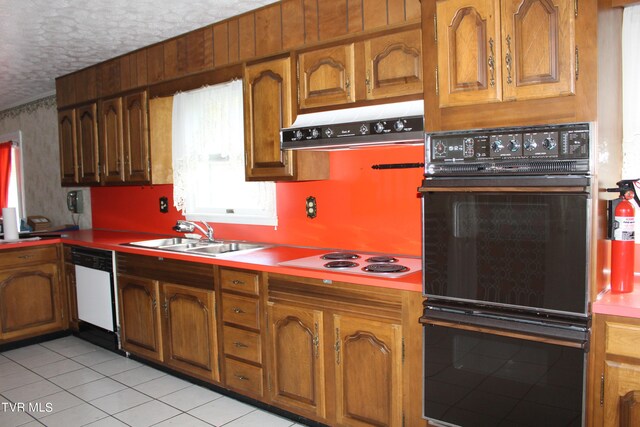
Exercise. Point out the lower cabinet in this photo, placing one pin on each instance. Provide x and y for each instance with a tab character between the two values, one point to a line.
336	357
31	293
616	369
170	323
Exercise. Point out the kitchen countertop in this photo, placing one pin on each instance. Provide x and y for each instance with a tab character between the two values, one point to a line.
266	259
627	305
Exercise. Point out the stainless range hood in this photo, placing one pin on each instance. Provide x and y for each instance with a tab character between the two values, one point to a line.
397	123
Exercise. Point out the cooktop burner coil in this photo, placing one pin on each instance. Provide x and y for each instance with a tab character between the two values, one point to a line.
341	264
340	255
385	268
382	258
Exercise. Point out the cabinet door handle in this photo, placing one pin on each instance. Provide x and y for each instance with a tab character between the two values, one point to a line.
492	64
238	344
316	342
602	390
154	303
508	60
25	256
577	63
347	86
237	282
241	377
367	81
338	346
237	310
165	306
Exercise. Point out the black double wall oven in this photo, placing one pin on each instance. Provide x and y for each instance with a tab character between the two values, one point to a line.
506	220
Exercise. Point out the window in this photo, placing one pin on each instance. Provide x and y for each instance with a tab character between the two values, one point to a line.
208	159
15	184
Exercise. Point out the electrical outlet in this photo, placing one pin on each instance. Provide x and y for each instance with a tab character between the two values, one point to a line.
164	204
311	207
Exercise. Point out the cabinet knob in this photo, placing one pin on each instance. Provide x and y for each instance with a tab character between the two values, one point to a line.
241	377
238	344
237	282
237	310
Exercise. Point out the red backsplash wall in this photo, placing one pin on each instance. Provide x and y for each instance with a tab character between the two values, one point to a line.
359	208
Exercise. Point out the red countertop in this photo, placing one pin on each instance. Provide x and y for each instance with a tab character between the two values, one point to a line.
627	305
266	259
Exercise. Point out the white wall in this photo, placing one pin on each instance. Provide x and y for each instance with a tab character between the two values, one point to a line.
41	160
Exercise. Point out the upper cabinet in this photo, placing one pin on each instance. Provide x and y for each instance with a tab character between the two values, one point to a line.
87	144
380	67
267	109
508	62
492	50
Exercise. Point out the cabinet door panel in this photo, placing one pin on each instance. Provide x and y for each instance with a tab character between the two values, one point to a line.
111	140
30	301
394	65
538	44
87	141
190	330
468	52
267	110
364	347
139	303
620	378
136	138
297	362
327	76
68	148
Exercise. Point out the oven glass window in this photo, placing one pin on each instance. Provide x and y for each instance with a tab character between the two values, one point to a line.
479	379
514	249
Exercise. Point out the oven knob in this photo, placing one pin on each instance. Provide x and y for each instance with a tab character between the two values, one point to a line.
328	132
530	144
297	134
315	133
513	145
549	143
497	146
440	148
398	126
364	129
378	127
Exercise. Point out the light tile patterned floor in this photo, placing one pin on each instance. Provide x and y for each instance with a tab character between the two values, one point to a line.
70	382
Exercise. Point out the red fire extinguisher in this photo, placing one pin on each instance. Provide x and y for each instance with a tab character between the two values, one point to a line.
623	246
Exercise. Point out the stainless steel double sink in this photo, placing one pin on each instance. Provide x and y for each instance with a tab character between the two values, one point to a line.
196	246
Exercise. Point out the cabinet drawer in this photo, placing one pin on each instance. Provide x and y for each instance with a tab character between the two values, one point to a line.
242	344
240	281
623	339
242	376
18	257
240	310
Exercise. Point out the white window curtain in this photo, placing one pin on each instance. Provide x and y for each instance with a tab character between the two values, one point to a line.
631	92
208	159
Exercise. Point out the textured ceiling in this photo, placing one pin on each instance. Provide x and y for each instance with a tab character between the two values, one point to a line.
43	39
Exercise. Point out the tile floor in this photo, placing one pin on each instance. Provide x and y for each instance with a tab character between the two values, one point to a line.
70	382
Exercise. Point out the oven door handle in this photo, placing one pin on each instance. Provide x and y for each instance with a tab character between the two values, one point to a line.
517	183
576	337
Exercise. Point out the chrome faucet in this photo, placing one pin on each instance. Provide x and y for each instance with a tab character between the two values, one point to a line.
183	226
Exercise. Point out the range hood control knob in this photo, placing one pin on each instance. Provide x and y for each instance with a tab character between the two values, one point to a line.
315	133
497	146
378	127
398	125
549	143
530	144
297	134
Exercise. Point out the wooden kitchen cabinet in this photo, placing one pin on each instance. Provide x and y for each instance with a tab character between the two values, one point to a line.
190	330
68	147
616	367
268	108
296	352
363	347
380	67
242	310
124	139
140	324
87	144
336	352
31	293
504	50
70	286
168	316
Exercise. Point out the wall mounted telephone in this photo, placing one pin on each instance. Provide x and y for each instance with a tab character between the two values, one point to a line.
74	201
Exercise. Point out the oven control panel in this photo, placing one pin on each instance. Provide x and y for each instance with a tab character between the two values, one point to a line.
491	149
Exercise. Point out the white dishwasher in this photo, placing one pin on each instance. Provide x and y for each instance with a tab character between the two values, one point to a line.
96	296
